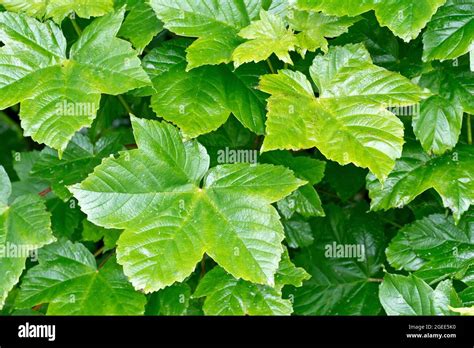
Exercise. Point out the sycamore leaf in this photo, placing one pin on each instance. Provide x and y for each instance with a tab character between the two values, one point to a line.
68	279
433	247
59	9
313	28
451	175
201	100
226	295
342	283
348	123
60	94
266	36
216	24
405	18
25	226
155	194
410	295
451	31
438	124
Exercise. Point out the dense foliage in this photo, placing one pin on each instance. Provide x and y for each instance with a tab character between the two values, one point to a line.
236	157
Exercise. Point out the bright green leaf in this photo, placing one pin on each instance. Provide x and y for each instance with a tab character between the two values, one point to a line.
450	175
60	94
266	36
68	278
59	9
410	295
17	242
154	193
451	31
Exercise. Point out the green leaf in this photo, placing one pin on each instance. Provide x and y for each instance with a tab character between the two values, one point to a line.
60	94
410	295
405	18
226	295
304	201
342	283
17	242
434	247
451	31
315	27
438	124
450	175
347	126
367	83
68	279
201	100
140	25
216	24
194	100
174	300
266	36
348	123
155	194
59	9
